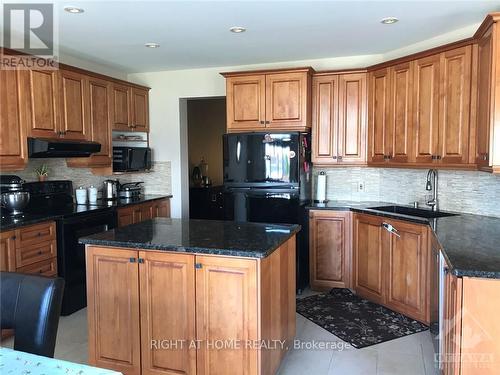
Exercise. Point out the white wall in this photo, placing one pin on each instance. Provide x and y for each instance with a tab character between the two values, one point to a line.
167	87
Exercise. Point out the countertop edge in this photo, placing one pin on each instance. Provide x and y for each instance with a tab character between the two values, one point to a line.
190	249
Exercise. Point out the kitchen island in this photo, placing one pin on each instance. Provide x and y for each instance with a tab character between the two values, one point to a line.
172	296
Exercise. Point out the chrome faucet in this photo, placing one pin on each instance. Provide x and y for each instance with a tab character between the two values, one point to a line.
432	184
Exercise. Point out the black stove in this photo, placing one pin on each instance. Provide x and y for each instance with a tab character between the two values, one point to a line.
54	200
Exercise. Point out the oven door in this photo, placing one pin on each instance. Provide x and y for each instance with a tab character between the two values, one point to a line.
71	254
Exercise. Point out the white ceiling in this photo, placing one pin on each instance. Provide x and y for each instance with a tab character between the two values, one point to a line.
195	34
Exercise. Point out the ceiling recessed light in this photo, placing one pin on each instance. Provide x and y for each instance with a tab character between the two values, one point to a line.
237	29
152	45
389	20
73	10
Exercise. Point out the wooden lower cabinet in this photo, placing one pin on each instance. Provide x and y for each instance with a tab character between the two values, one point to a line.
471	327
113	309
30	249
143	211
369	275
170	313
330	249
407	270
393	269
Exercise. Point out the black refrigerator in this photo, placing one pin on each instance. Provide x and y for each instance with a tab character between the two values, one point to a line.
267	179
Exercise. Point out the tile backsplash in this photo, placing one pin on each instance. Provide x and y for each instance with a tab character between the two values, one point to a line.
463	191
158	181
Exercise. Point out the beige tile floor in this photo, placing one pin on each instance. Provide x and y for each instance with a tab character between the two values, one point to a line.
408	355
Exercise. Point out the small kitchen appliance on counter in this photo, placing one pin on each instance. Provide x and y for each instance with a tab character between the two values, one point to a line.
110	189
130	190
13	198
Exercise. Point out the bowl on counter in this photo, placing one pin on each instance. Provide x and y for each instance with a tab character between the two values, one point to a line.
15	201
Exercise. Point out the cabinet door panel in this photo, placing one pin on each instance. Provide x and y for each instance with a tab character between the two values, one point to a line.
226	309
167	316
113	309
379	121
407	270
13	152
287	97
399	136
368	254
7	251
452	325
100	118
140	109
426	109
246	102
455	105
122	115
325	119
73	98
44	103
329	250
352	118
125	217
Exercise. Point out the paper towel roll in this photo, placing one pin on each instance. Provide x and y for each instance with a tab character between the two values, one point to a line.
321	187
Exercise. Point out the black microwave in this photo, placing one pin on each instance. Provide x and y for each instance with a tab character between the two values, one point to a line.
126	159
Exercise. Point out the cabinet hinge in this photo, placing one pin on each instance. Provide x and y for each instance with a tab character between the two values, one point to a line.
198	265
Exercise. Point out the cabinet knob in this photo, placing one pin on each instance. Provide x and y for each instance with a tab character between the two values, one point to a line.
198	265
268	122
339	158
262	122
334	157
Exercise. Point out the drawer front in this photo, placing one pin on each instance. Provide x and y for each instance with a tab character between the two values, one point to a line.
35	234
35	253
46	267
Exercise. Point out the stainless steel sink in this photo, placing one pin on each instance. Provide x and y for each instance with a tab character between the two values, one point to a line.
409	211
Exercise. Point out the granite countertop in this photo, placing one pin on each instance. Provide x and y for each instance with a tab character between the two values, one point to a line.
8	222
470	243
252	240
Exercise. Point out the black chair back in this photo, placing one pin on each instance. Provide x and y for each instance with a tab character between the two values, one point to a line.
31	305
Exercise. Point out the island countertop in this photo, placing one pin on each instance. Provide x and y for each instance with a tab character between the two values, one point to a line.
251	240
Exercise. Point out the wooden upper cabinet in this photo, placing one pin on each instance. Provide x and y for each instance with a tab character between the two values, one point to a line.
73	98
122	115
157	274
246	102
369	271
288	100
398	137
13	147
140	109
272	100
99	117
426	108
379	116
352	118
454	107
325	119
407	277
44	101
488	95
113	309
226	285
330	249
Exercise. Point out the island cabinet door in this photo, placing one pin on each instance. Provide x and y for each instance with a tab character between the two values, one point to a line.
369	237
226	315
168	328
113	309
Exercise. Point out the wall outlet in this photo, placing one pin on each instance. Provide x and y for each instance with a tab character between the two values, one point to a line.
361	187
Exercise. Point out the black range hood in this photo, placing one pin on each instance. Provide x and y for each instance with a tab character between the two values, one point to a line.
61	148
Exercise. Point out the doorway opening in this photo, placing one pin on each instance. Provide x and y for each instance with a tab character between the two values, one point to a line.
206	124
